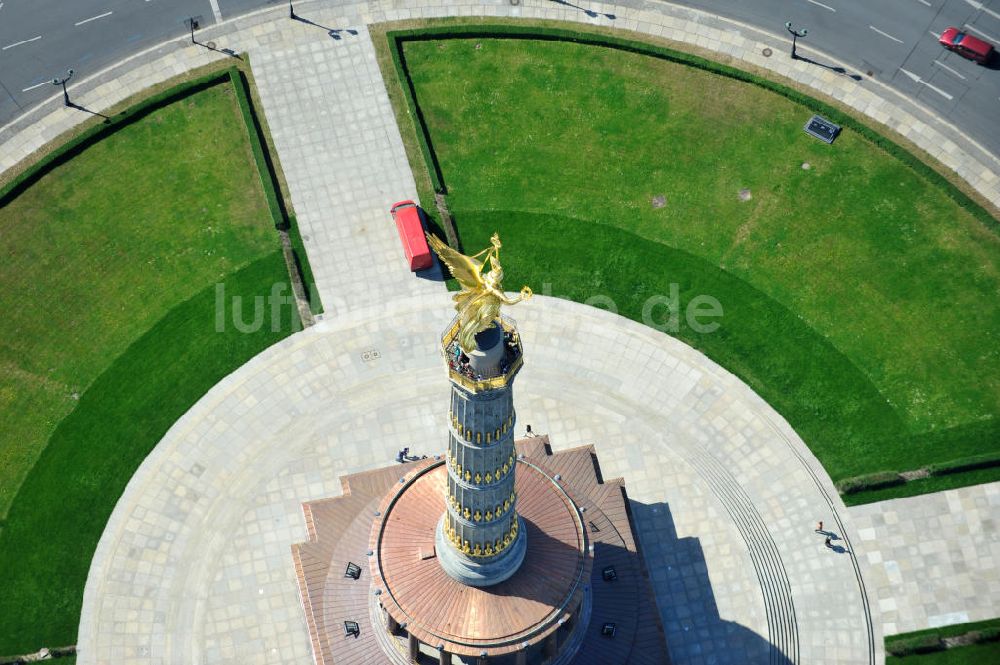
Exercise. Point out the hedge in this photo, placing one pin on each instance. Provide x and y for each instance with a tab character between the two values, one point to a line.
913	645
933	639
265	167
302	263
984	635
496	31
870	481
283	220
410	95
984	461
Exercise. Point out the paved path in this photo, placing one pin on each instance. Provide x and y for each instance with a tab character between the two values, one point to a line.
265	30
43	38
343	159
195	566
933	560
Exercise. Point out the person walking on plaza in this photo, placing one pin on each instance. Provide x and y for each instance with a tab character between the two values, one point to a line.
819	527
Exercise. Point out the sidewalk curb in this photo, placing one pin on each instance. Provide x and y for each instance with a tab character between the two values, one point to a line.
931	133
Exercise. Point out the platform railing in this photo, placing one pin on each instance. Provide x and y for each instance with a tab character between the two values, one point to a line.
465	376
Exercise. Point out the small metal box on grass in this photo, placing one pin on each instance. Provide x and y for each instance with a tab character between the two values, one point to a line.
822	129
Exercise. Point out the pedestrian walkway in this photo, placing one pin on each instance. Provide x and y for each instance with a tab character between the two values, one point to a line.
267	29
343	159
195	564
933	560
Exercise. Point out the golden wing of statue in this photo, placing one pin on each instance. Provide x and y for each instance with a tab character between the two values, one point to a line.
467	270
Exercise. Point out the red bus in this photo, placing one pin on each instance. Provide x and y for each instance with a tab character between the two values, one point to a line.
411	234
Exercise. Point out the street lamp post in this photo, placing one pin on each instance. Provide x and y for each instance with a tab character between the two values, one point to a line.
194	26
291	10
795	35
62	82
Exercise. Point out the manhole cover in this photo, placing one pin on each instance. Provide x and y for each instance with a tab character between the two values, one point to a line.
659	201
870	69
210	45
767	52
745	195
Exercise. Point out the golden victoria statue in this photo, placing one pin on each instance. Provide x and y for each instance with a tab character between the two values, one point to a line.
478	303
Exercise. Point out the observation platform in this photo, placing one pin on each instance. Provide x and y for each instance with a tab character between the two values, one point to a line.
462	369
582	555
544	594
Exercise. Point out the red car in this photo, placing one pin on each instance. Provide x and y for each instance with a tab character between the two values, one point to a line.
966	45
411	233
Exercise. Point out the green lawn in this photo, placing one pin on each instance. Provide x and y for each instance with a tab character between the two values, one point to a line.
859	299
110	266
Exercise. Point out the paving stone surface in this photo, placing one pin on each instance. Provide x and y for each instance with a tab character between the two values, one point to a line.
194	565
343	159
271	29
933	560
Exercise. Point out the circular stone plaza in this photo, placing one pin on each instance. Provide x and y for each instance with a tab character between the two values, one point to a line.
206	557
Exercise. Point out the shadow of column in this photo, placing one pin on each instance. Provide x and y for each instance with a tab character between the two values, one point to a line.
694	630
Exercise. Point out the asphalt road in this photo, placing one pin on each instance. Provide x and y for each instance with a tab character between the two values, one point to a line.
893	41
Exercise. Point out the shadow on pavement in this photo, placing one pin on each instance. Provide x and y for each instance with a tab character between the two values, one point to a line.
993	63
211	47
589	12
839	70
333	32
694	630
433	274
86	110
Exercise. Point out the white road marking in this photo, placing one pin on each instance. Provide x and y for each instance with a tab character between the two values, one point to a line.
977	5
885	34
37	85
1	5
215	10
936	35
924	2
23	41
820	4
93	18
982	34
923	82
946	67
